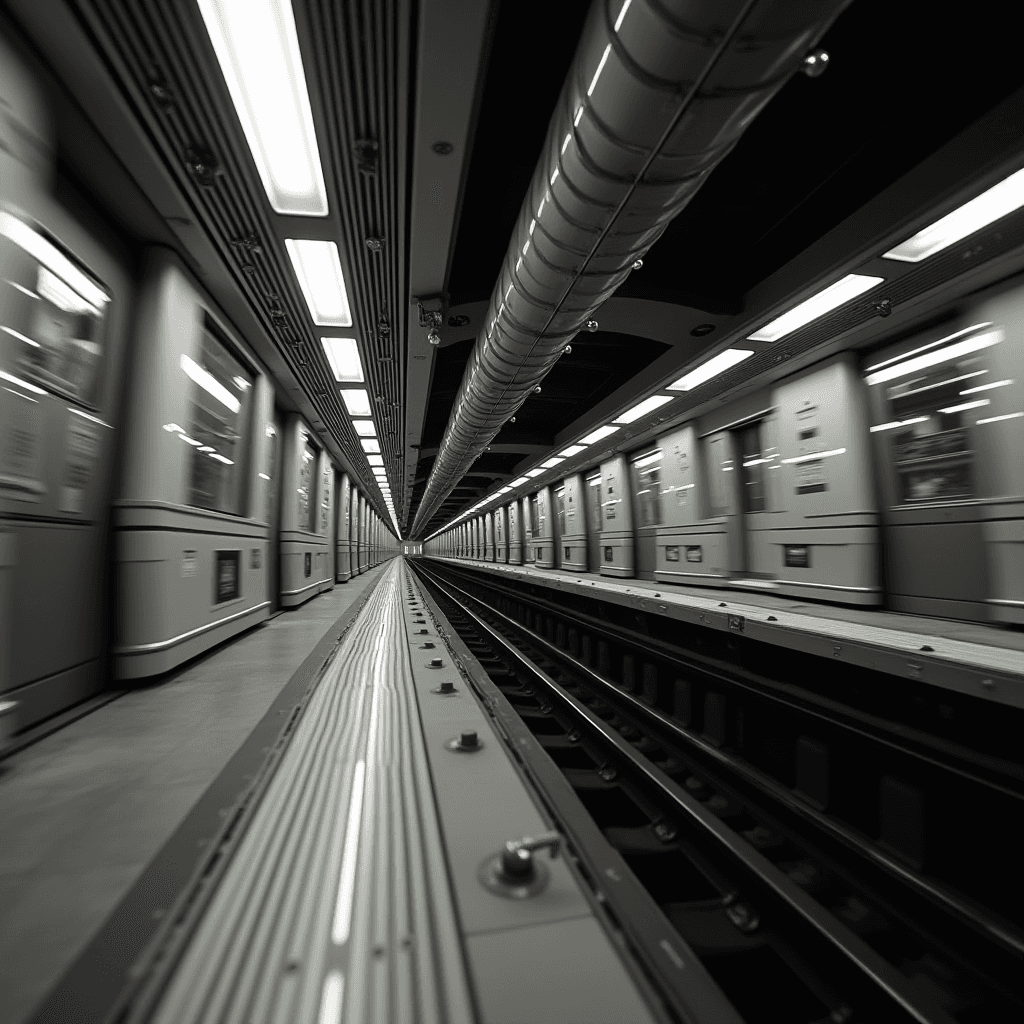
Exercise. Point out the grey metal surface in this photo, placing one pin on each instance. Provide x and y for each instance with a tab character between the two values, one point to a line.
658	94
336	907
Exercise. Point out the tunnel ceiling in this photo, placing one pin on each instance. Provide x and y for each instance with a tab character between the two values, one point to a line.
901	83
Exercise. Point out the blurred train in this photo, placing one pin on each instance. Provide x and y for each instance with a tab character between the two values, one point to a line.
155	496
893	478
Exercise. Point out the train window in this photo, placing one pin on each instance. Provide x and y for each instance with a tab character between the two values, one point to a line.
220	407
647	488
594	502
752	462
307	482
560	508
930	417
55	314
325	501
271	473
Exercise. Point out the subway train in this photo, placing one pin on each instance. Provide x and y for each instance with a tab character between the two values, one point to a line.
157	495
884	479
510	512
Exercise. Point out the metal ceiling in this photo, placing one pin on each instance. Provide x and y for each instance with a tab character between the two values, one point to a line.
356	59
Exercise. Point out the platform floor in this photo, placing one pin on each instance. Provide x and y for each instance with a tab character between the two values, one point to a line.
993	654
84	810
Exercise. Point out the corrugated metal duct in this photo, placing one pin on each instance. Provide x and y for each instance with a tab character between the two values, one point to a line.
659	92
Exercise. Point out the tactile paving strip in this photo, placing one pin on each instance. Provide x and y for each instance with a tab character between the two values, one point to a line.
337	907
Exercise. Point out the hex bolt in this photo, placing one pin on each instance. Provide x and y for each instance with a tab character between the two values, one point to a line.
447	687
436	662
468	740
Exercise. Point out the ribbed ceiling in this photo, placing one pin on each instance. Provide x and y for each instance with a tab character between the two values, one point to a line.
356	58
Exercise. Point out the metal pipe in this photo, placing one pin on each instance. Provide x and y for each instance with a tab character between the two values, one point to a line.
658	94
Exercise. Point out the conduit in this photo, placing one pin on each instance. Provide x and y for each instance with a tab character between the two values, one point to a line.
658	94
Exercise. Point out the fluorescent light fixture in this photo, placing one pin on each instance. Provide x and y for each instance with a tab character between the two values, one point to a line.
987	387
835	295
220	458
644	407
364	428
505	490
519	482
599	435
343	355
375	460
964	406
21	337
649	459
531	473
712	368
942	355
209	383
190	440
25	384
990	206
573	449
46	253
997	419
258	51
370	444
551	463
379	471
357	401
206	448
894	424
317	267
814	456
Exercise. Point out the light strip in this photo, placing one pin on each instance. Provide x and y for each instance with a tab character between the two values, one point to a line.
551	463
573	449
534	472
993	204
364	428
931	344
835	295
346	882
643	408
357	401
712	368
343	355
648	459
942	355
45	252
317	266
519	482
897	423
370	444
814	456
21	383
258	51
21	337
375	460
987	387
998	419
209	383
964	406
599	435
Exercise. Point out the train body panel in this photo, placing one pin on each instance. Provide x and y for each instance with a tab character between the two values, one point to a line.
545	541
343	547
488	536
515	533
616	538
573	513
501	534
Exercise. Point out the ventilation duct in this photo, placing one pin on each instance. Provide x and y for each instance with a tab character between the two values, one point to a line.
658	93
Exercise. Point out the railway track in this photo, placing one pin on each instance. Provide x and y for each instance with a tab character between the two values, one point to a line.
793	913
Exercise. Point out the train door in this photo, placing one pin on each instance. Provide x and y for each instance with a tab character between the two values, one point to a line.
515	533
646	471
593	503
558	526
617	556
723	498
751	447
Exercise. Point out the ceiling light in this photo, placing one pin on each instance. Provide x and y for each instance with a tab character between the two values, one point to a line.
551	463
941	355
375	460
996	202
964	406
209	383
364	428
519	482
505	490
712	368
343	355
370	444
931	344
573	449
644	407
258	51
598	435
317	266
837	293
997	419
534	472
357	401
